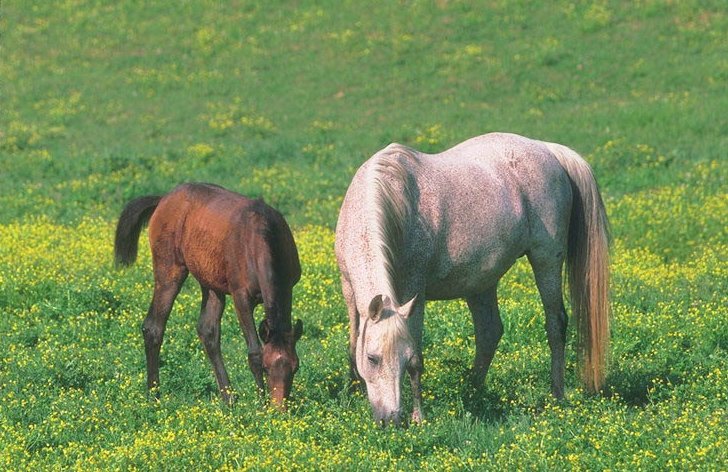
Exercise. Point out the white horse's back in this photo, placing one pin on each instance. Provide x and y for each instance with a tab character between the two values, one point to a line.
480	206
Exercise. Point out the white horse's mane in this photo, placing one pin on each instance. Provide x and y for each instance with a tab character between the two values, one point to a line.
391	198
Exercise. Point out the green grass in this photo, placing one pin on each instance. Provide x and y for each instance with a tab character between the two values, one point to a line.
104	101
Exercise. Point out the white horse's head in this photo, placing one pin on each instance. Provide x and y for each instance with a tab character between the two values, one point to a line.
384	350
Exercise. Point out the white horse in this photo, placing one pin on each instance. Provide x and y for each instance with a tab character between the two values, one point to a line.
416	227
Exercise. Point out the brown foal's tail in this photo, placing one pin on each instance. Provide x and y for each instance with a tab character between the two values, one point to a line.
135	216
587	266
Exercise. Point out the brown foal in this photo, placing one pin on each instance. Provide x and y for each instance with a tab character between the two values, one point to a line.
231	245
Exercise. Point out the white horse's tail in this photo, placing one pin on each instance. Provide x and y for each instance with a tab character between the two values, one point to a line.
587	266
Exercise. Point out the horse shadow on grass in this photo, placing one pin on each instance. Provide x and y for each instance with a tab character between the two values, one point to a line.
485	404
639	388
633	388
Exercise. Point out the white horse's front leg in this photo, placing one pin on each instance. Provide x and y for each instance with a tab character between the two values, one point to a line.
355	381
415	369
415	365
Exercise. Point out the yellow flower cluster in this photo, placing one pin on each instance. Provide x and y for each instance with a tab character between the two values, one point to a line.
225	117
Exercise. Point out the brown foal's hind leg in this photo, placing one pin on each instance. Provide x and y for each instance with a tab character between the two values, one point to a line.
547	272
208	330
488	331
244	308
166	287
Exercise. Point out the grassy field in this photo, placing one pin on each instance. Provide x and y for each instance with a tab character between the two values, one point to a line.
104	101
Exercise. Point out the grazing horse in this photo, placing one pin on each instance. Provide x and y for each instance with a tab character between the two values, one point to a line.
416	227
231	245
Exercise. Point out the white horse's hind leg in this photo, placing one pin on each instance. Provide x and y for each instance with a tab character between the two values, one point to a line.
488	331
547	272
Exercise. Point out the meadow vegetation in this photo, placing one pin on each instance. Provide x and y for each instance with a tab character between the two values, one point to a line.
102	101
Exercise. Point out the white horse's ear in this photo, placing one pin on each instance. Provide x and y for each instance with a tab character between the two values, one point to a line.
376	306
406	310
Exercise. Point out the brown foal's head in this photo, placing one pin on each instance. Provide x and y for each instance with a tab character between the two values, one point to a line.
280	361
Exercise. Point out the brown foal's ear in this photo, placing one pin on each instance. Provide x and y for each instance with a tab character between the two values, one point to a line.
297	330
264	331
375	308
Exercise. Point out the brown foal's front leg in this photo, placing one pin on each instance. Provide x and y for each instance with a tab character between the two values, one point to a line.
208	330
244	307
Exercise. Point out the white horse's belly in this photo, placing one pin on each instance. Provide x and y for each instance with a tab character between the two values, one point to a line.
477	251
460	279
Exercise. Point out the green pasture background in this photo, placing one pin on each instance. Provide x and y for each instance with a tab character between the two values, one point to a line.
104	101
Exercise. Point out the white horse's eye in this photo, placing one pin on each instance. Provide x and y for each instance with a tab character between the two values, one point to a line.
374	360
